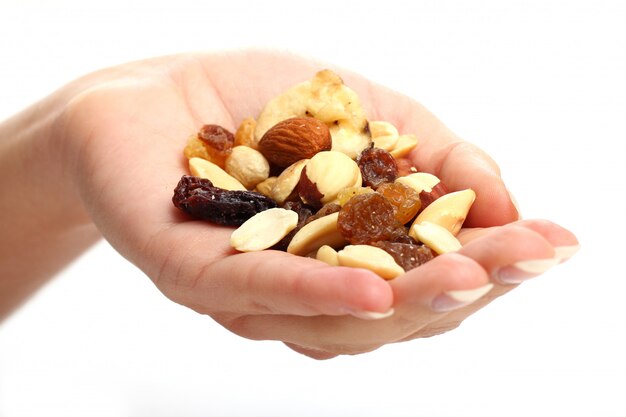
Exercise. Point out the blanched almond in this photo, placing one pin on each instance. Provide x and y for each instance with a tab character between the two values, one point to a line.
372	258
319	232
405	144
205	169
264	230
436	237
449	210
328	255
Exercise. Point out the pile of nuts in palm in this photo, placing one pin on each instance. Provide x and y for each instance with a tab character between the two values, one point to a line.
313	177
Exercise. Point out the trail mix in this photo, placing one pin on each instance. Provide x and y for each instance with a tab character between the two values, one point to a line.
313	177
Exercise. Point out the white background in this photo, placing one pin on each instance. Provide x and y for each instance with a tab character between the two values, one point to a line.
539	84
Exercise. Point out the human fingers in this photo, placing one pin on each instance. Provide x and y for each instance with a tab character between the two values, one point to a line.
193	264
510	255
422	296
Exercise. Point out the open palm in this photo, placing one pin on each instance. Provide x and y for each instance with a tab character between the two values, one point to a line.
124	129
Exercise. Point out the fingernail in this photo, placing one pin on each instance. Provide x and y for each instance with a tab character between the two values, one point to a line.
524	270
565	252
452	300
371	315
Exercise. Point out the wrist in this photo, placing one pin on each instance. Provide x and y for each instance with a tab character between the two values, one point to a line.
44	223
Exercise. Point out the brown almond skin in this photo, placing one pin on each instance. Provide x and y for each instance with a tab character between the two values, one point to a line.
294	139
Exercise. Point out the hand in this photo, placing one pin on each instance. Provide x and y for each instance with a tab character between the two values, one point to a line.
123	131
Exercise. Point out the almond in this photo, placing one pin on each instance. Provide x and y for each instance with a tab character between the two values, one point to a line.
294	139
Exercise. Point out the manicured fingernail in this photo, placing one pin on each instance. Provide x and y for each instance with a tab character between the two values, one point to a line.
452	300
565	252
524	270
371	315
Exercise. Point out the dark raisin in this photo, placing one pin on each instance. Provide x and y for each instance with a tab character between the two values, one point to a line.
367	218
200	199
407	255
377	166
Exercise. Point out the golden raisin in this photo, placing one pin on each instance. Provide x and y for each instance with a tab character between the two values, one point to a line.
404	198
367	218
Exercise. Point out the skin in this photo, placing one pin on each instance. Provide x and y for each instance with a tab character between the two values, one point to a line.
101	156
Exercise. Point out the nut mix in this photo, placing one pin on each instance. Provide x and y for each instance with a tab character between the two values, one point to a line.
313	177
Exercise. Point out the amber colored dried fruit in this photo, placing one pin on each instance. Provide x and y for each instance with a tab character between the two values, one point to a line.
405	199
407	255
347	193
367	218
218	142
377	166
200	199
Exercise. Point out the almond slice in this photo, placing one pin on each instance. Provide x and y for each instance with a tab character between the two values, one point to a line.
436	237
328	255
449	210
264	230
319	232
205	169
405	144
371	258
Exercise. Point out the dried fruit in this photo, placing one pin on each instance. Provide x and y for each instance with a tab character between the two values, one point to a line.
244	136
216	137
405	200
427	185
367	218
263	230
372	258
377	166
200	199
407	255
216	141
294	139
347	193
